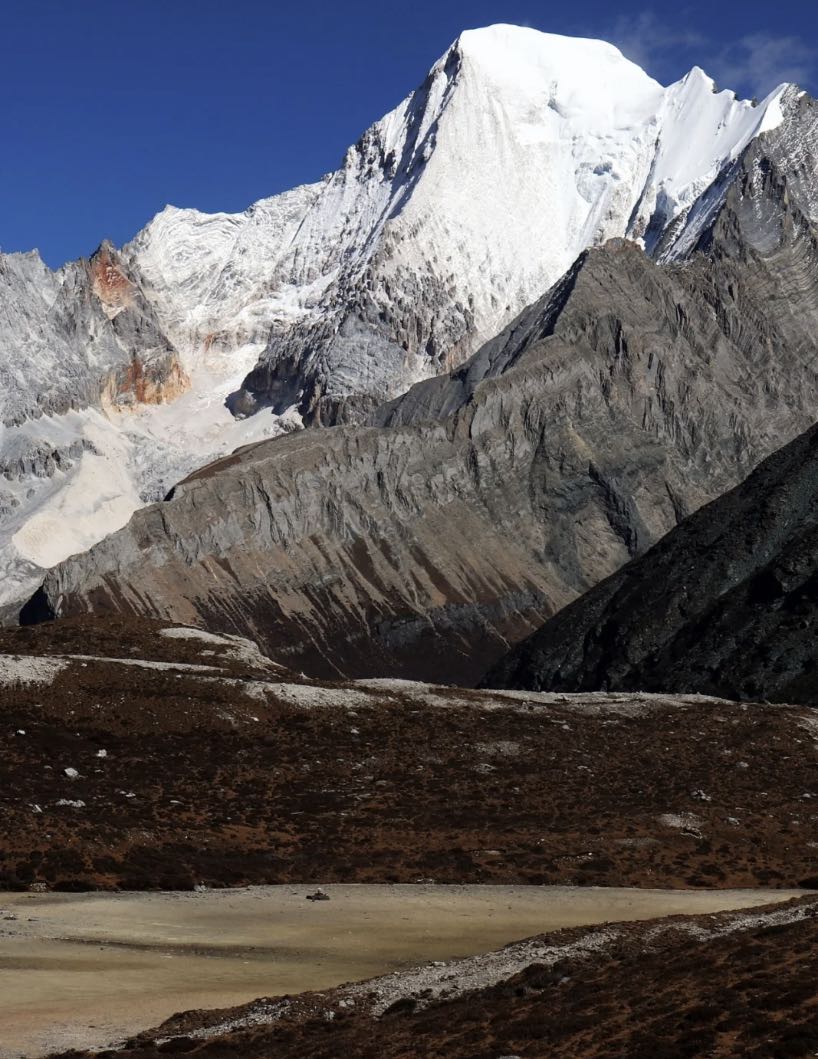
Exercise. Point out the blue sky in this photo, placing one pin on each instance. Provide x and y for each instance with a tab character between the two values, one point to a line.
110	110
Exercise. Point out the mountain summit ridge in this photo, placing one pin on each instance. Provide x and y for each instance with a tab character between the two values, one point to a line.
470	198
482	502
446	218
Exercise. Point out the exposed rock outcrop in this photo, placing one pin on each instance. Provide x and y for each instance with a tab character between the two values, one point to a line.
727	603
481	503
73	338
25	458
77	347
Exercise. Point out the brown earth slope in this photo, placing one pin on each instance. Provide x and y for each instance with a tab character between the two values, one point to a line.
735	984
237	771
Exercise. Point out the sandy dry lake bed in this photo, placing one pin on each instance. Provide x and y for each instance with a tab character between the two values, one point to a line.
88	969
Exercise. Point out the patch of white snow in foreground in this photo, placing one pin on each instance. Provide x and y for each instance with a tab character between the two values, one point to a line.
680	821
143	663
237	647
305	695
29	670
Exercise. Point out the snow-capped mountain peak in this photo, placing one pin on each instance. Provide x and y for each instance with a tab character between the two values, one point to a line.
518	151
460	206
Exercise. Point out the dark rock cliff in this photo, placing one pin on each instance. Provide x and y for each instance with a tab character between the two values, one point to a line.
727	603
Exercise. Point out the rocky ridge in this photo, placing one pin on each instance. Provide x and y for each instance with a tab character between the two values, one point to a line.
482	502
321	302
724	604
86	335
566	144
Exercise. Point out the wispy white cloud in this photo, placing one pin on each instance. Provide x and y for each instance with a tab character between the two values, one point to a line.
648	40
760	61
752	64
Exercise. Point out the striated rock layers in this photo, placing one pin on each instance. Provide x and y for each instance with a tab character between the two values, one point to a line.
480	503
447	217
727	602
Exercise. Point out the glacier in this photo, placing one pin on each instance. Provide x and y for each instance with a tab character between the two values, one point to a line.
457	209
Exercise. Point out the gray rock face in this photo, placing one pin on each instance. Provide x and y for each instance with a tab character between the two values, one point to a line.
80	337
480	503
453	212
346	548
79	349
727	602
24	458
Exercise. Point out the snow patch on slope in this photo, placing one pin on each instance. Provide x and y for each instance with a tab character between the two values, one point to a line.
96	499
14	670
221	281
237	648
703	132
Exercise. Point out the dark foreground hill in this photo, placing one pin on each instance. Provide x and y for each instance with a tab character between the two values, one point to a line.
726	604
138	756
